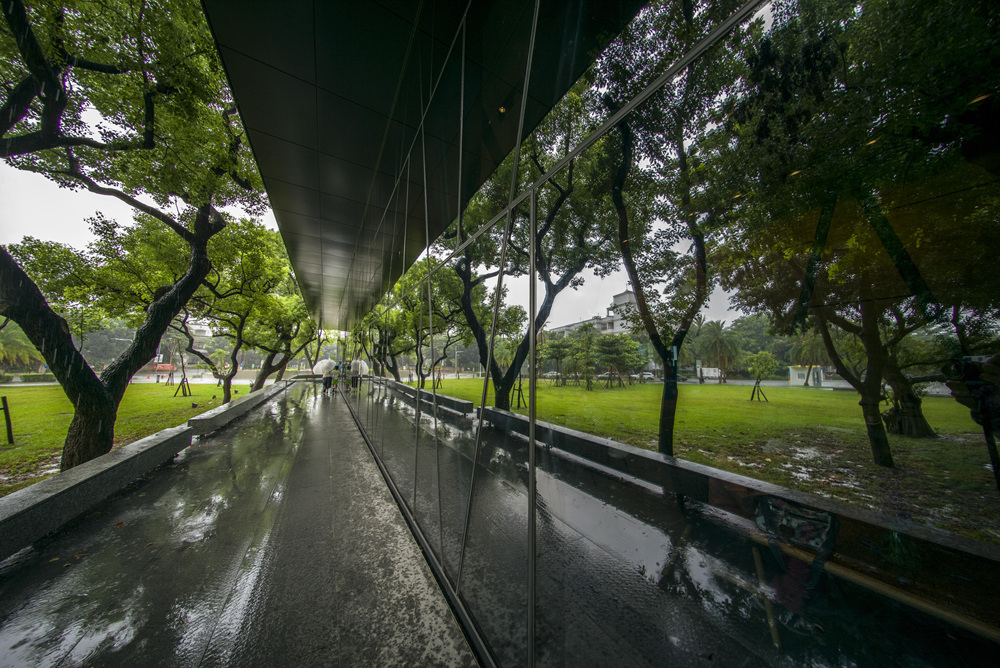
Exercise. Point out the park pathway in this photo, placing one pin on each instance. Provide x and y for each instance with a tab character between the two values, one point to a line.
274	542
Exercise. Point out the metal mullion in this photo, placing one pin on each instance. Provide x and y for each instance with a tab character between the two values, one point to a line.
461	140
499	289
430	324
532	489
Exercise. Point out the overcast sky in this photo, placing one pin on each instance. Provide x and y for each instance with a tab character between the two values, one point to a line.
34	206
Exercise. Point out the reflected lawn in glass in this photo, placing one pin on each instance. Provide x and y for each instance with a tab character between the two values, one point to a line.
813	440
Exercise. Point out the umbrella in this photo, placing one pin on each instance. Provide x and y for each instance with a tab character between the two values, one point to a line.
323	366
359	366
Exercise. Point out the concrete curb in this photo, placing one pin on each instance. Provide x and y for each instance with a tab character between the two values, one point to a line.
217	418
30	513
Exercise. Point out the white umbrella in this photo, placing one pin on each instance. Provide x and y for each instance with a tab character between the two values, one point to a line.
323	366
359	367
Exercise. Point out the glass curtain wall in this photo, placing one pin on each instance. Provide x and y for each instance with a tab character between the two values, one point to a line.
606	490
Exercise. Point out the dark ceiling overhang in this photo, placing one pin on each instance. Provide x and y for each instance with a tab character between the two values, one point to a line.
333	94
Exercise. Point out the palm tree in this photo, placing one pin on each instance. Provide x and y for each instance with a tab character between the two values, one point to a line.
15	348
720	345
810	351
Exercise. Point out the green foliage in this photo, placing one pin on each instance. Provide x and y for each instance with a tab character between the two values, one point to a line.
557	347
137	80
619	352
762	364
585	353
719	346
15	348
37	378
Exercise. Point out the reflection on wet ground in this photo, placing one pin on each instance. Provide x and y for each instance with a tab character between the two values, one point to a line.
273	542
626	575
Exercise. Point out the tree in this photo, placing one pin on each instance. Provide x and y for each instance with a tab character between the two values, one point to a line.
574	229
809	351
122	100
719	345
557	347
863	159
753	332
283	332
618	352
585	353
761	364
657	164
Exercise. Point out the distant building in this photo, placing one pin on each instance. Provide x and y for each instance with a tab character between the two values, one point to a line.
797	375
612	323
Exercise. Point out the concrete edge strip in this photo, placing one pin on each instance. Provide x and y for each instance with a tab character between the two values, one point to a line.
39	509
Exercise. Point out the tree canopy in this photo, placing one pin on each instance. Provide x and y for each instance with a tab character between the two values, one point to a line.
128	101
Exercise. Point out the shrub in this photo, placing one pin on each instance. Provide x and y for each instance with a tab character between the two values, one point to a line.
37	378
5	378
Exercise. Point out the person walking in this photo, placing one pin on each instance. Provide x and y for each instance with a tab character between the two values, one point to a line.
328	379
355	374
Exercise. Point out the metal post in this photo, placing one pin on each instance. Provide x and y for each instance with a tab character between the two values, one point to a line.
6	416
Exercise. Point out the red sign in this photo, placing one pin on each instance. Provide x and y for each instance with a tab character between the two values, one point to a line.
163	367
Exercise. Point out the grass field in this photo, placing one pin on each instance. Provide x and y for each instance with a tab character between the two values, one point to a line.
813	440
41	415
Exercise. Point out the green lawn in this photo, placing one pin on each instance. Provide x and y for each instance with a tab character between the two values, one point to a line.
41	415
813	440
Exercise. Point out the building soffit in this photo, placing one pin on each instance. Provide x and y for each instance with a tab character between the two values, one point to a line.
333	95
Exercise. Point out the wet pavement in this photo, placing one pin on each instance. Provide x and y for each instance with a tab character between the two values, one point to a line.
274	542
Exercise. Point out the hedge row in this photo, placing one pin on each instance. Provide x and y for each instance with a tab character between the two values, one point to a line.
37	378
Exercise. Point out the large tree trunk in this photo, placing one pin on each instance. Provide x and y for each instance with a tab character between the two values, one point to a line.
267	367
870	388
96	400
911	420
392	368
668	400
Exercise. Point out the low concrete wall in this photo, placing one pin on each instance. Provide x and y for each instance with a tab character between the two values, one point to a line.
31	513
218	418
460	406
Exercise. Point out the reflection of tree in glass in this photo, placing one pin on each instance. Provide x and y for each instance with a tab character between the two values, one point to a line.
575	227
860	163
658	180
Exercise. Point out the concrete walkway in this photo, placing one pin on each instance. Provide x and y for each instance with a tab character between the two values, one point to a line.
272	543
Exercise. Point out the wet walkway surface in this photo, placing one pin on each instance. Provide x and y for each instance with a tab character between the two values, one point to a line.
274	542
